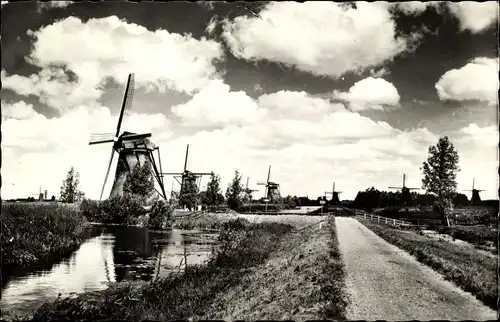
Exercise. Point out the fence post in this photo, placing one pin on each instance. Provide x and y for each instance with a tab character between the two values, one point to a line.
394	222
378	218
364	216
386	220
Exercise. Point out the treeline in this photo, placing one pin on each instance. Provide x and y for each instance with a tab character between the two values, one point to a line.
372	198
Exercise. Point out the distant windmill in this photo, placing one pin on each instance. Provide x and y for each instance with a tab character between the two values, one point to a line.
475	198
132	148
335	195
248	192
405	191
187	177
39	195
272	191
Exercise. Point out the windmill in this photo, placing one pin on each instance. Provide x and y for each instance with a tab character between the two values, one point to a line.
187	177
132	148
272	192
248	192
335	195
475	198
405	191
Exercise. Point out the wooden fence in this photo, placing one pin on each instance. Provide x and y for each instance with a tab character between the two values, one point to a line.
380	219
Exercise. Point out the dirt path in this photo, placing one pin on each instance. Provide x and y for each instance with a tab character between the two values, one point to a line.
386	283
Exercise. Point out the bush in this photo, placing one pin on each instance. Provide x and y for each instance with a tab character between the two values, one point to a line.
124	210
478	235
160	216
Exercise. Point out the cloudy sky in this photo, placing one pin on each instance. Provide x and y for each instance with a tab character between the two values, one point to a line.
322	91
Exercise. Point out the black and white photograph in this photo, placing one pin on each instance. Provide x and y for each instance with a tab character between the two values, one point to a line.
249	161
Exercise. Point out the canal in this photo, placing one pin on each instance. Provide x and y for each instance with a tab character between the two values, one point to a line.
109	254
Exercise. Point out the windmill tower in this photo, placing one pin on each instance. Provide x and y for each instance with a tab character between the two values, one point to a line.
272	191
132	148
248	192
187	178
335	195
475	198
405	192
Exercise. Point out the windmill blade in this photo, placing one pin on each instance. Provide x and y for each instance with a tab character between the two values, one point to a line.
127	101
248	178
107	172
261	183
395	187
172	174
97	138
202	173
129	95
186	160
269	174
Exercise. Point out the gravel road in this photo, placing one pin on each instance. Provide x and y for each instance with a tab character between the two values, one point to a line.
386	283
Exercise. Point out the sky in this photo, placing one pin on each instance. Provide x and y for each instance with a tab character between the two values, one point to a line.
351	93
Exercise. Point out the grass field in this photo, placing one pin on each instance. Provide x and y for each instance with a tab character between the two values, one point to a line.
32	231
470	269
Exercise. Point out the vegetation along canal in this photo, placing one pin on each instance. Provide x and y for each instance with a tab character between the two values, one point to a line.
109	254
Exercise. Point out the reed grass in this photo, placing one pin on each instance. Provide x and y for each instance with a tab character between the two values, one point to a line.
32	231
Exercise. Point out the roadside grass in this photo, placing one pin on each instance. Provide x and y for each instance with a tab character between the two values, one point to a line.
32	231
467	267
334	278
180	295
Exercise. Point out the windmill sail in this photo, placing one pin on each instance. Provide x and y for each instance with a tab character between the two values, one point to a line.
127	101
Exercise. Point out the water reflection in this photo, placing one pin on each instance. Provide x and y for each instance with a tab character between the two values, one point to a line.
114	255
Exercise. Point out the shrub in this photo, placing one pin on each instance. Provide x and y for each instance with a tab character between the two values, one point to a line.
160	216
123	210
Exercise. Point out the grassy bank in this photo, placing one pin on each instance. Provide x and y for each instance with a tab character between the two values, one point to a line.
303	279
470	269
32	231
180	295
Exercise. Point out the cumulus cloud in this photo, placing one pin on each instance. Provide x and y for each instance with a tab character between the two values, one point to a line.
217	105
477	80
53	4
370	93
472	15
18	110
379	72
104	48
415	7
322	37
475	16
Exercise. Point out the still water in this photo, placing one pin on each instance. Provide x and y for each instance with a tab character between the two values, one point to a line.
110	254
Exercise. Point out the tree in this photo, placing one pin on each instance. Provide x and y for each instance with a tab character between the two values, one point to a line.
139	181
440	172
234	192
69	188
212	197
